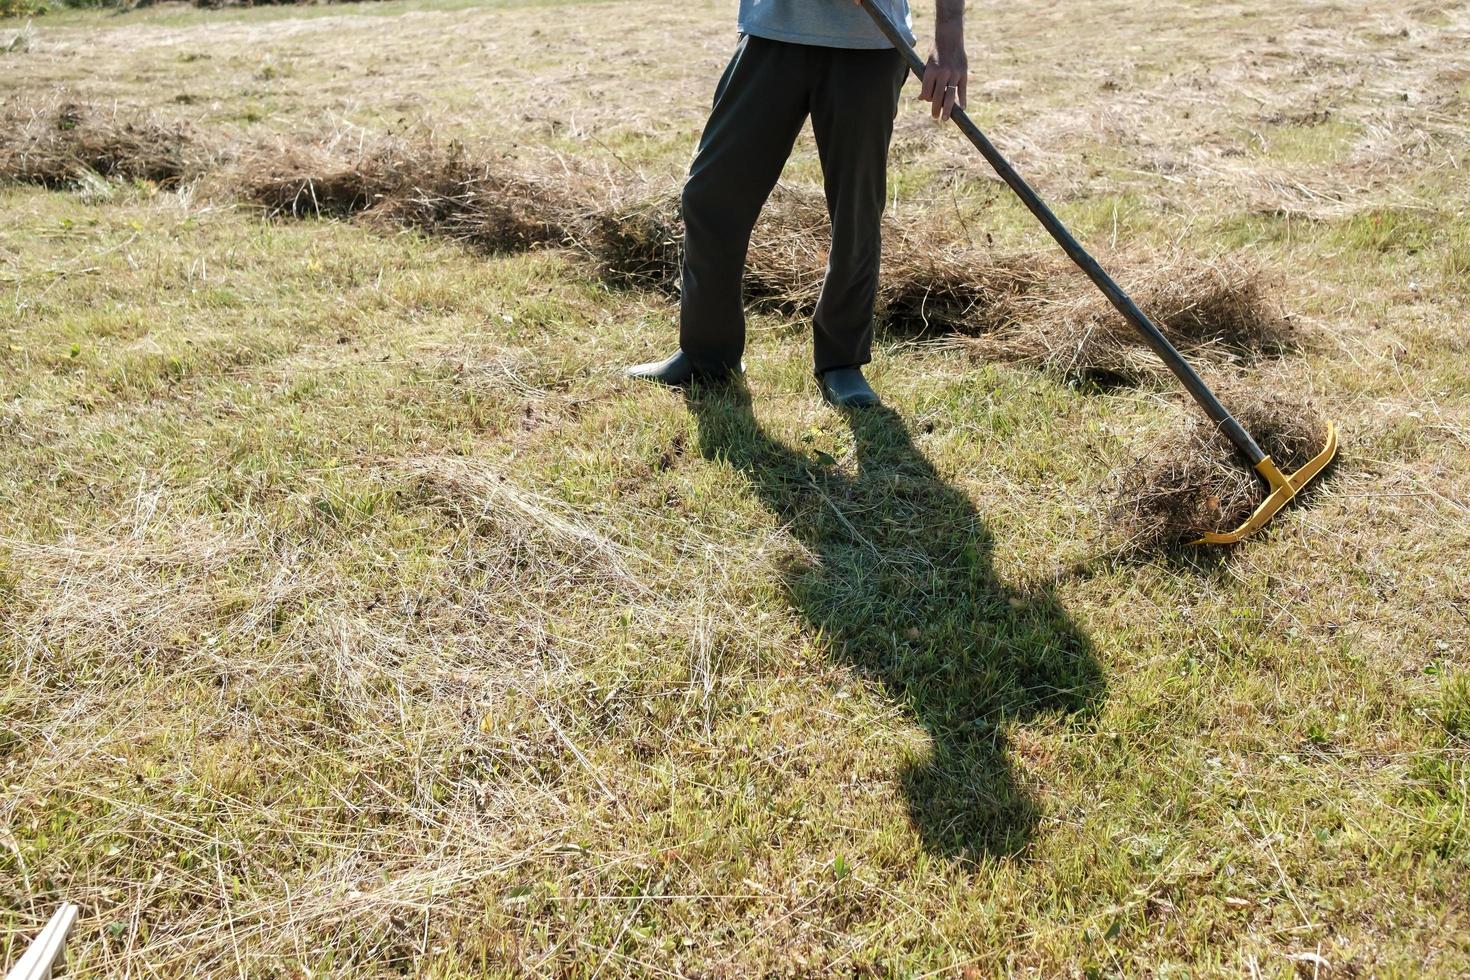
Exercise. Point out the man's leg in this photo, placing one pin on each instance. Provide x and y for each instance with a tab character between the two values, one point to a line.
760	106
853	107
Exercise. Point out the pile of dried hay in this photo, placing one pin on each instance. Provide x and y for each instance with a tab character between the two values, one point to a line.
637	239
301	180
1197	481
485	209
788	253
636	243
1217	309
1021	307
412	183
59	145
1223	303
971	292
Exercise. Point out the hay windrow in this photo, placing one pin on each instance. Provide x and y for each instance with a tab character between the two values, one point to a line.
1029	308
419	184
957	291
1224	303
57	145
310	180
1196	481
1215	309
1023	307
637	243
412	183
788	253
637	238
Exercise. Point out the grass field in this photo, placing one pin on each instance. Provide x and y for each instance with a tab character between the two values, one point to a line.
358	618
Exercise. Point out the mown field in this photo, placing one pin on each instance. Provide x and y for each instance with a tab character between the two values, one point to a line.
358	618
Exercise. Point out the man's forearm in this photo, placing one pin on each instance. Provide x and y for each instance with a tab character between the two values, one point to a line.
949	11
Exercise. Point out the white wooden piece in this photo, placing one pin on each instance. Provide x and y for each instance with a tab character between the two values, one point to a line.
46	948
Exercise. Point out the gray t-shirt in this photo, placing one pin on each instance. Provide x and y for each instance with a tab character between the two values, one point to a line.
828	23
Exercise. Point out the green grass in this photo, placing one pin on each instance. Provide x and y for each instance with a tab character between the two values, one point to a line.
360	618
1309	142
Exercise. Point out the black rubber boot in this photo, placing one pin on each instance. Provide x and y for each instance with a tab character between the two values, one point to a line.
677	371
847	388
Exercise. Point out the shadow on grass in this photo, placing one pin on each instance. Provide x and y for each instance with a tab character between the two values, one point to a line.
902	582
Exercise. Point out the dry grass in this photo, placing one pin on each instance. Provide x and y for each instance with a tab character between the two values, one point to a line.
929	290
532	529
635	240
1021	307
195	615
925	290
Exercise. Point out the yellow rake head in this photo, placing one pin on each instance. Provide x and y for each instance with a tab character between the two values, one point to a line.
1283	489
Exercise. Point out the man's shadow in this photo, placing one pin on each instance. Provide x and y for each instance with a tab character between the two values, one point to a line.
902	583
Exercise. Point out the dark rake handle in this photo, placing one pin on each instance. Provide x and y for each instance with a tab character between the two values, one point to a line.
1121	301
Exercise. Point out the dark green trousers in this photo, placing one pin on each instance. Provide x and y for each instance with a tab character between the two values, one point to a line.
767	93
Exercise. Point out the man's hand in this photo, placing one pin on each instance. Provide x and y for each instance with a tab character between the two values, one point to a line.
947	74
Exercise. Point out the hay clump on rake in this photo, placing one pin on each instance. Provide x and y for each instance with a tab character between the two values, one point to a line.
1197	482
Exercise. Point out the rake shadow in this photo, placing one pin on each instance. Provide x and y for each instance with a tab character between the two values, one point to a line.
903	584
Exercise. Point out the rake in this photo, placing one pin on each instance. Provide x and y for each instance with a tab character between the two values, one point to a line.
1281	487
